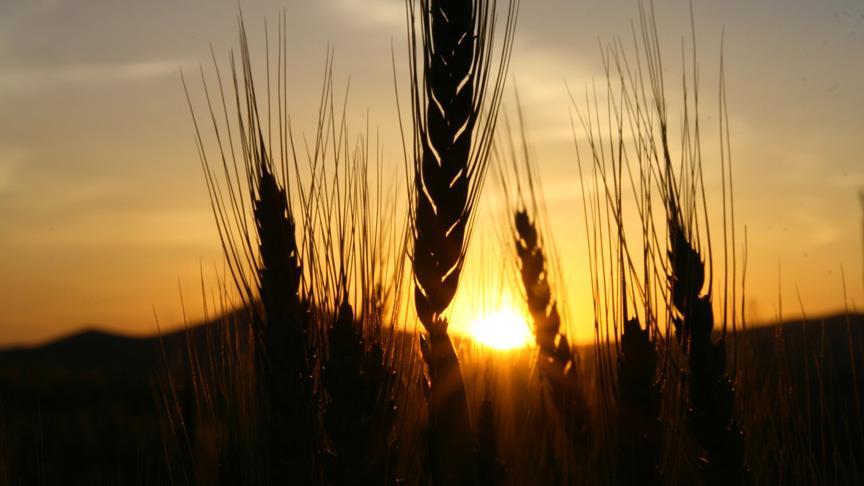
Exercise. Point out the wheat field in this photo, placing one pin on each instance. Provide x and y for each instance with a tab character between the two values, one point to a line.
330	351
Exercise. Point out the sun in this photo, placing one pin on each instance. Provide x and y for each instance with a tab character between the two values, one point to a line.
503	330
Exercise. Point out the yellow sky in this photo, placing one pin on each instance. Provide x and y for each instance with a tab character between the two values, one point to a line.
104	213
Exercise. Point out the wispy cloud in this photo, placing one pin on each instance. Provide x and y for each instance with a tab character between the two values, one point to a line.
372	13
15	80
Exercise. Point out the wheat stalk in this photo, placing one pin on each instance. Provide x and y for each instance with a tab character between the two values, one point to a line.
452	140
490	469
710	390
556	360
638	406
263	258
285	357
344	418
711	393
360	374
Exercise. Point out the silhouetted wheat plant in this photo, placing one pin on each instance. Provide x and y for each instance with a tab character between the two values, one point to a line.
453	130
360	413
630	140
556	360
324	352
638	387
710	389
626	356
284	361
269	282
490	468
638	408
562	390
360	374
711	392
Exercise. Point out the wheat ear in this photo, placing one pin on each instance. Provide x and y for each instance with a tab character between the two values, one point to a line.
452	139
556	360
711	393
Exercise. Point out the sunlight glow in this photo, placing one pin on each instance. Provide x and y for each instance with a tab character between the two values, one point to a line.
504	329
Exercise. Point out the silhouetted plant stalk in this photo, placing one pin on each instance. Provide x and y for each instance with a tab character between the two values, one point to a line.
323	377
710	389
360	373
284	360
626	354
556	360
638	407
451	148
568	441
490	468
640	111
639	135
360	412
285	356
638	386
639	435
276	442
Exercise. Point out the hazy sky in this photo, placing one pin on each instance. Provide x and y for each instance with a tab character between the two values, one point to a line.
103	209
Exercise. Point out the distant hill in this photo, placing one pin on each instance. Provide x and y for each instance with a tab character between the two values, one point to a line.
831	337
99	351
91	349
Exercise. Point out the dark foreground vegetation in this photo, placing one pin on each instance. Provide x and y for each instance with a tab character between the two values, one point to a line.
89	406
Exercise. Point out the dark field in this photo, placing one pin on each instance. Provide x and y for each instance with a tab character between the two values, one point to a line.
88	409
333	350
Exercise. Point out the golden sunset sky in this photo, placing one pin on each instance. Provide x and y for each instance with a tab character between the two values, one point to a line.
104	213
